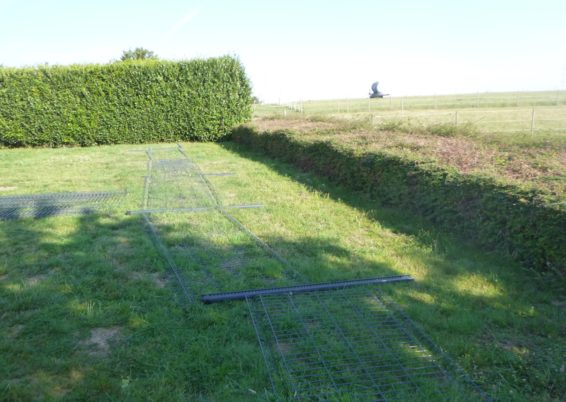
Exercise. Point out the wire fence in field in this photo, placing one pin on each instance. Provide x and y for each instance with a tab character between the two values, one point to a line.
499	113
522	120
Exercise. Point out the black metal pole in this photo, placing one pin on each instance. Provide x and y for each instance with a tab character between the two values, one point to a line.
245	294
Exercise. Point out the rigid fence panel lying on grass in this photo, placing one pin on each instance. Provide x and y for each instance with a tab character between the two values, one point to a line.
343	343
44	205
349	345
208	247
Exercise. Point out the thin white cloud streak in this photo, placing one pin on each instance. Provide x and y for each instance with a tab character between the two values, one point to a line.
184	21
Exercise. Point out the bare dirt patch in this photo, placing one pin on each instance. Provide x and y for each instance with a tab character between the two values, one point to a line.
15	330
7	188
99	341
284	348
235	262
153	277
35	279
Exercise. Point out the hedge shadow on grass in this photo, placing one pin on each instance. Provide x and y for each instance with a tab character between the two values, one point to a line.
516	320
527	225
66	278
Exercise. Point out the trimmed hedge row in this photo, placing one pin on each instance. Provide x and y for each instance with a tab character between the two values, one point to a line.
124	102
498	217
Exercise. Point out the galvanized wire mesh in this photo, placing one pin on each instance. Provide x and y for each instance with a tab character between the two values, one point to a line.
174	182
51	204
343	345
212	254
177	188
211	251
349	345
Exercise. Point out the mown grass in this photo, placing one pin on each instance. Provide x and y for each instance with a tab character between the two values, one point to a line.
501	116
67	283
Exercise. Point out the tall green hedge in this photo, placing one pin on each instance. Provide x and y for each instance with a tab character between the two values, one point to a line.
123	102
500	217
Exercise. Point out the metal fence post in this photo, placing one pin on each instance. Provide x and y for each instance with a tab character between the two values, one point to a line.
456	118
532	121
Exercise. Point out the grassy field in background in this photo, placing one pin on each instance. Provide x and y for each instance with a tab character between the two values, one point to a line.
88	309
475	134
502	113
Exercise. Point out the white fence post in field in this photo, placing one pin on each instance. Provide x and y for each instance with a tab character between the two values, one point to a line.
456	118
533	121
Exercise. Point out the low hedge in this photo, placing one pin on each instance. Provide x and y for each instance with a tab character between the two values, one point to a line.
123	102
499	217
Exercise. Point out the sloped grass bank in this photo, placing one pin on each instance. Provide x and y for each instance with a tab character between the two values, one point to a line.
527	225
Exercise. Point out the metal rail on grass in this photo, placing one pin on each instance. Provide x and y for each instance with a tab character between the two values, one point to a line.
312	287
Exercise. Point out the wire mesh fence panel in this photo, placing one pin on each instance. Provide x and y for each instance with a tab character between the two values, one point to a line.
214	254
52	204
349	345
177	189
175	182
211	250
335	345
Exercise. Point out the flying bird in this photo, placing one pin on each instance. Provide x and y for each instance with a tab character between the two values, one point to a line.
375	92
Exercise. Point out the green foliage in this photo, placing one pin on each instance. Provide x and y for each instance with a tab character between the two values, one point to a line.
139	53
500	217
131	102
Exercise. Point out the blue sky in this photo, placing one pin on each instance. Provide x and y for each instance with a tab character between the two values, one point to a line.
299	50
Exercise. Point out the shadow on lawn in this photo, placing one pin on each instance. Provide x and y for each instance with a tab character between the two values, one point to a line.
83	316
467	299
66	279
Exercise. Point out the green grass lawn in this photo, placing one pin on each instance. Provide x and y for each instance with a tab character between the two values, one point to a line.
89	309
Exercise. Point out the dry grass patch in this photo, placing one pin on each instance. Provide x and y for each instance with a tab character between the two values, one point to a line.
541	166
154	278
301	126
98	343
